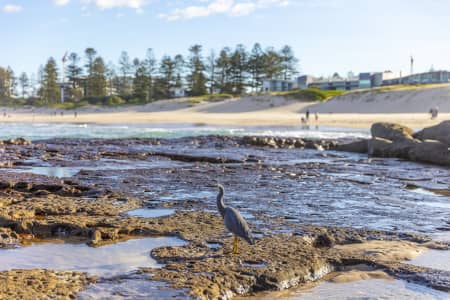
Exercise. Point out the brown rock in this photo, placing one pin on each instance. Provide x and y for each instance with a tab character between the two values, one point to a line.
432	152
440	132
379	147
42	284
385	148
391	131
356	147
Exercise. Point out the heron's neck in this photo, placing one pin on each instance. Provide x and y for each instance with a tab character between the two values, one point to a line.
220	205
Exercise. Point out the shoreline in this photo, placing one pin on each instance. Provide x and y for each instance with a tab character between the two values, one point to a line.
357	110
346	120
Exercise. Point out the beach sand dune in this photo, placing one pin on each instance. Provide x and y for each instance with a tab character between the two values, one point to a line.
385	102
357	110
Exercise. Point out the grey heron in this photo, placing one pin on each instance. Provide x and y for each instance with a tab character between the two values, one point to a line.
233	220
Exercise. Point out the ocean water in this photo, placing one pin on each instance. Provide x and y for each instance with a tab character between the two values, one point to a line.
39	131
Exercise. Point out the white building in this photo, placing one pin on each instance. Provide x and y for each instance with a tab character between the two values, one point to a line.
277	85
178	92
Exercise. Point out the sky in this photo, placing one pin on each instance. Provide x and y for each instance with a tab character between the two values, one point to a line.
326	35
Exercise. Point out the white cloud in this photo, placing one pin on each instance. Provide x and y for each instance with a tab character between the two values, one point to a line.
61	2
12	8
108	4
229	7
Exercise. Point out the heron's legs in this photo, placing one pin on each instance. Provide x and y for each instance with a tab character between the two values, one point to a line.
235	247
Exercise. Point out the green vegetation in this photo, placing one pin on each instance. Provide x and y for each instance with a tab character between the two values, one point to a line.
88	80
210	98
310	94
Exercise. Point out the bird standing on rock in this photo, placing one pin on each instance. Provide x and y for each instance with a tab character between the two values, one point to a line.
233	220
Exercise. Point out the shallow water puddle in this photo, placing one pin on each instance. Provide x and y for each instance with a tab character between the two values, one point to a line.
254	264
182	194
213	245
151	212
136	289
60	172
104	261
432	259
103	164
369	289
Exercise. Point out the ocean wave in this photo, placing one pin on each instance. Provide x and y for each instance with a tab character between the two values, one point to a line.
37	131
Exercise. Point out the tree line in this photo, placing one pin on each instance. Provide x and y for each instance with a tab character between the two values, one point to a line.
232	71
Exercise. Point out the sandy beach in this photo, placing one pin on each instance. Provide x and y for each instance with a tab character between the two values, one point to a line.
355	110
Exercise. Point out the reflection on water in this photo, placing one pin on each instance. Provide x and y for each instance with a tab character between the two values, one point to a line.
135	289
151	212
368	290
60	172
103	164
104	261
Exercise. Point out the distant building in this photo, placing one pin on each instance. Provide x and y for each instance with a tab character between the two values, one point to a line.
304	81
277	85
178	92
379	78
365	80
427	77
362	81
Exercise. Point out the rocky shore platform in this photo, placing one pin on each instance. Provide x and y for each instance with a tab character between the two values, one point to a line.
313	210
430	145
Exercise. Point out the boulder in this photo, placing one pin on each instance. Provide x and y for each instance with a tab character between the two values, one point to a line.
391	131
385	148
379	147
432	152
356	147
440	132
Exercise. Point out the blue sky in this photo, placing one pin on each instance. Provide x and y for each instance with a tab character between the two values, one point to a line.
327	35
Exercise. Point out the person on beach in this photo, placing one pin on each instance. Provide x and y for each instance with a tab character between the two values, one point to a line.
434	112
75	114
316	116
307	115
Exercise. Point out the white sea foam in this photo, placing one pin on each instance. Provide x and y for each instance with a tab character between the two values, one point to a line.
36	131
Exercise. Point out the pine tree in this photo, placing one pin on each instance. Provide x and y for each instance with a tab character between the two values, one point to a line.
151	66
211	69
239	64
111	78
223	70
196	79
90	54
140	81
288	62
97	80
12	82
90	57
256	67
168	76
5	83
273	67
24	84
50	90
126	70
74	72
179	71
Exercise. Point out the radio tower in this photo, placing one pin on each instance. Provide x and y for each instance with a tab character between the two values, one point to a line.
64	59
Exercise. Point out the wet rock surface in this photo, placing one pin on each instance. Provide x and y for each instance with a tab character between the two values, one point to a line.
42	284
300	201
440	132
430	145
